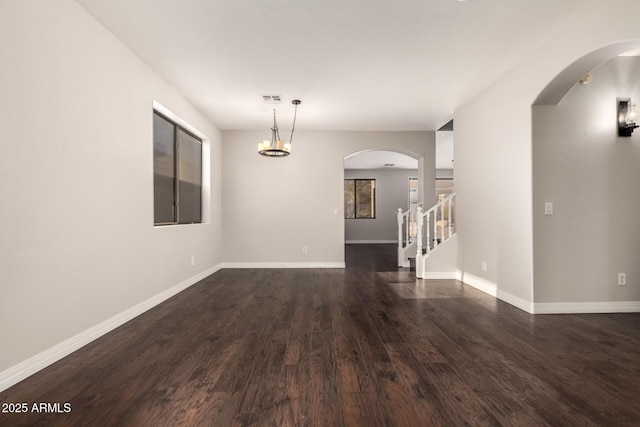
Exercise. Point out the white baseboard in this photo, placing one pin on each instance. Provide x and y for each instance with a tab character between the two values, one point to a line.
522	304
445	275
283	265
587	307
24	369
370	242
493	290
478	282
548	308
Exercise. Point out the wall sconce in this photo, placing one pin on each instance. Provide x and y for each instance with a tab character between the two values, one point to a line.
626	117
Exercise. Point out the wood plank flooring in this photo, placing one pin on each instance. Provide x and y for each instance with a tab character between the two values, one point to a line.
365	346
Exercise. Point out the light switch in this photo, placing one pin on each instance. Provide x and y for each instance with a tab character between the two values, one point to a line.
548	208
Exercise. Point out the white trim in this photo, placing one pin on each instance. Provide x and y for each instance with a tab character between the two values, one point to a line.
478	282
551	307
369	242
206	161
586	307
518	302
283	265
444	275
493	290
177	119
24	369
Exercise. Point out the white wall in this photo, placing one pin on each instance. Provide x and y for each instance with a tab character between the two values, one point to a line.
392	192
493	154
274	207
78	244
591	175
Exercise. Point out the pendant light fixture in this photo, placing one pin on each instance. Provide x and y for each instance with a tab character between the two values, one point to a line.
275	147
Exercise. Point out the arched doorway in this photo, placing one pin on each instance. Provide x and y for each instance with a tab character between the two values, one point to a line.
586	177
377	182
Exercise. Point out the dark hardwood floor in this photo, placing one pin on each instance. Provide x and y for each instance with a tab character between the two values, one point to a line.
365	346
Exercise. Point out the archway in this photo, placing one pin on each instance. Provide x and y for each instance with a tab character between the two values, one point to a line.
396	180
585	175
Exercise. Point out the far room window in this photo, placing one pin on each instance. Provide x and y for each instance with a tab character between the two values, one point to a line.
413	192
360	198
444	187
177	173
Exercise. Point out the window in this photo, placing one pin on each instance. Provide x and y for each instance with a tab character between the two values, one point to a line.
177	174
413	192
444	187
360	198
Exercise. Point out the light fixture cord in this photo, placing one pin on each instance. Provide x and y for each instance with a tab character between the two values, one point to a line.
295	113
275	125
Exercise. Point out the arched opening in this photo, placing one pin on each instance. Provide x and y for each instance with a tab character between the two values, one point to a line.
377	182
585	203
560	86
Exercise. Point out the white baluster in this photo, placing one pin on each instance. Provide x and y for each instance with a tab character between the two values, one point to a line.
428	231
419	232
419	256
400	218
442	222
408	228
449	217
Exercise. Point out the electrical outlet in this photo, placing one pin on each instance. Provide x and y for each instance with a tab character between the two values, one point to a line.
193	260
305	250
484	265
622	279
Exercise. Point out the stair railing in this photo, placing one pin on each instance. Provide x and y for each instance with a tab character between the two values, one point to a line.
435	226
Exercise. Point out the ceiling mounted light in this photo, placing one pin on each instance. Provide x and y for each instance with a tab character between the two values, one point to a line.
626	117
586	79
275	147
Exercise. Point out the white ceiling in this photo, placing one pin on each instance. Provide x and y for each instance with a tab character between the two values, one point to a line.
356	65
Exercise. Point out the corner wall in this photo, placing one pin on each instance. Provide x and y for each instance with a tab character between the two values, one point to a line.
78	245
494	161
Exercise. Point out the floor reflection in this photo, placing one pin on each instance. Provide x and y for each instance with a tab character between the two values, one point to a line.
428	289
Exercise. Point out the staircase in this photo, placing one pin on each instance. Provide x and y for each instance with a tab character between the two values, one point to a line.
428	234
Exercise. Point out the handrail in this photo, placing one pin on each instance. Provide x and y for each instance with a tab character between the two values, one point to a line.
431	218
433	227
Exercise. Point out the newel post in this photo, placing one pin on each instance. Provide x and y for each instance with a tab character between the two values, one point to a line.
419	256
400	246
